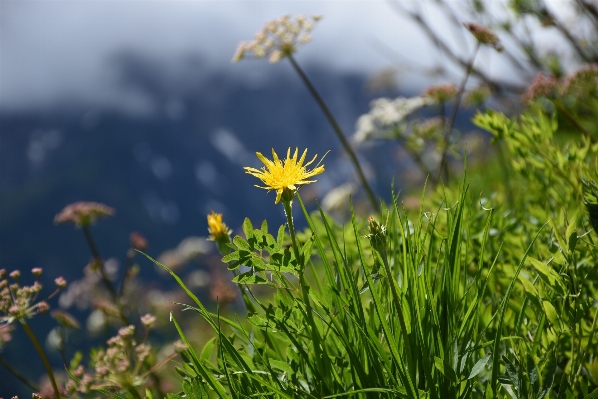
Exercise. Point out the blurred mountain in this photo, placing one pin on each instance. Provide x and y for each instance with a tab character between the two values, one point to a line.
162	168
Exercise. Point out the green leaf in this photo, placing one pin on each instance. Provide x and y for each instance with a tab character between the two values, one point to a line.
552	314
280	237
571	235
231	257
242	244
283	366
528	286
479	366
445	368
194	389
173	396
548	371
208	349
247	228
307	248
548	275
250	278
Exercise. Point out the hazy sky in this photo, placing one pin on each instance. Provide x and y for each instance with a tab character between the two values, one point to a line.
54	49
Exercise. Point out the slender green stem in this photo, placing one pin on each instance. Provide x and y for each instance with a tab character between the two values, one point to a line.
304	286
42	355
18	375
96	254
448	127
338	131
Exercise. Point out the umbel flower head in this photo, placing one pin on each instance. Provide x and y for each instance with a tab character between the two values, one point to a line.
284	175
83	213
278	39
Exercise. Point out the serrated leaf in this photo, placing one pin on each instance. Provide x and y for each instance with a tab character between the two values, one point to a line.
264	227
231	257
479	366
270	241
306	250
280	236
242	244
247	228
250	278
194	389
548	371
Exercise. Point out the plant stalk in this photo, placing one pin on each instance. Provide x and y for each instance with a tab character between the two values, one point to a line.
448	127
338	131
18	375
42	355
96	254
304	286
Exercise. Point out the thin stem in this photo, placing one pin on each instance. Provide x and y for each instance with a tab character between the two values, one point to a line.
19	376
573	121
448	127
42	355
96	254
129	263
338	131
304	286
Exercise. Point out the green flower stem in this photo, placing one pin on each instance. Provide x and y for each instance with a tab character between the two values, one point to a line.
448	127
304	286
42	355
338	131
96	254
18	375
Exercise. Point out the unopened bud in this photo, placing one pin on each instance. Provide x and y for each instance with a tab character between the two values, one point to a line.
377	235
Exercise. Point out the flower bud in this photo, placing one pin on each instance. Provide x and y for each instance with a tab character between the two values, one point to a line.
377	236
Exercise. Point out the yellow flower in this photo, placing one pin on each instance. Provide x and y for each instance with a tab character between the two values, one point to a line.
216	227
284	175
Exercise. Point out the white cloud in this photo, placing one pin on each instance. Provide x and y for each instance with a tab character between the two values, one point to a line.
51	50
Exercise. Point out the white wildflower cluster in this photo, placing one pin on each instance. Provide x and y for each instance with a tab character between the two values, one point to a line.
278	39
385	117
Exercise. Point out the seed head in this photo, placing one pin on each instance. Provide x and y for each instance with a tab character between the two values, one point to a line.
65	319
138	241
484	35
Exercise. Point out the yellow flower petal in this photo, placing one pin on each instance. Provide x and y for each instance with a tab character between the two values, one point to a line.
284	175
